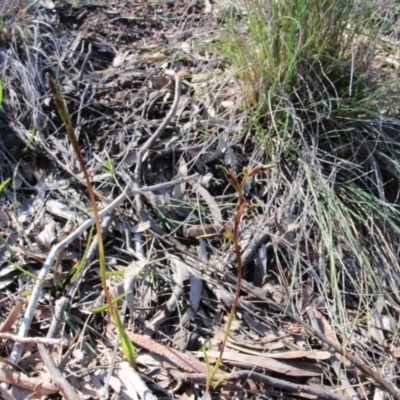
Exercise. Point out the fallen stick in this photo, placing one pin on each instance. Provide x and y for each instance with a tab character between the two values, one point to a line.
57	377
241	375
32	384
16	338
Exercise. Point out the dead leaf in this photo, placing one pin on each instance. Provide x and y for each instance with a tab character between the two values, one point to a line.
178	190
4	220
140	227
173	356
48	236
329	334
299	368
307	294
12	316
311	354
25	382
133	382
375	324
396	352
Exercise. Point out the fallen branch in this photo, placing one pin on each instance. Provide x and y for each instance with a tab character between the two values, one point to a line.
32	384
241	375
48	341
57	377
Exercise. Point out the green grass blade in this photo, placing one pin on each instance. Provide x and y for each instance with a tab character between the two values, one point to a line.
4	184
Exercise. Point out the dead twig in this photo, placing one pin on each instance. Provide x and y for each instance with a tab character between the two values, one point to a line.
57	377
32	384
243	375
42	340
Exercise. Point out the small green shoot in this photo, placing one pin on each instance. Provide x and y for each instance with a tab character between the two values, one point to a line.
26	272
209	368
105	306
4	184
109	166
30	140
219	381
84	257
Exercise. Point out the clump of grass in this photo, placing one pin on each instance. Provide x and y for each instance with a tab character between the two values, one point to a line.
279	45
329	121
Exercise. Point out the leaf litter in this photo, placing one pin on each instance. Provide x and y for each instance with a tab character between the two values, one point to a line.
173	290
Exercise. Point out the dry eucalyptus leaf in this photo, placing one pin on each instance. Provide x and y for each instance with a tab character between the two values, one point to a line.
375	323
254	324
60	209
260	269
294	368
48	236
140	227
133	382
181	273
307	294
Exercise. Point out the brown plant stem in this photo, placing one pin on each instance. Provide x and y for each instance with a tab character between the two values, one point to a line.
63	111
238	216
184	377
